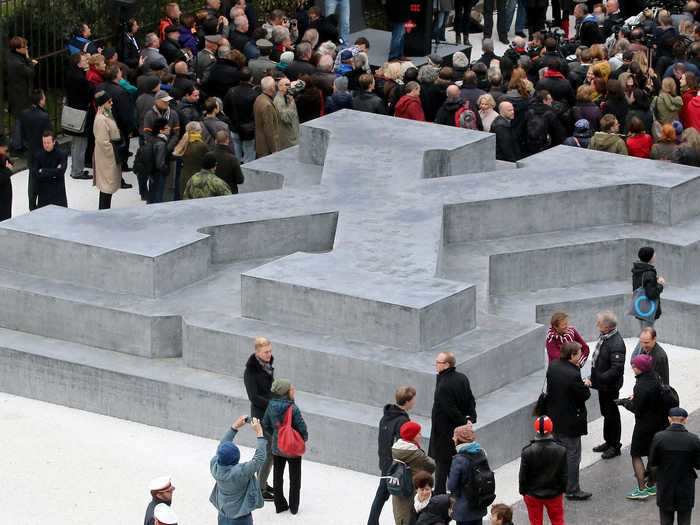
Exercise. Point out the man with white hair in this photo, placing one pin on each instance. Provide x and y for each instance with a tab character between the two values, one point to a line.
151	54
267	121
301	65
607	375
239	39
281	40
341	98
324	76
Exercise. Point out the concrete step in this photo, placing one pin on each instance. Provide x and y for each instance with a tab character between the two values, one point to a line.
87	316
166	393
329	365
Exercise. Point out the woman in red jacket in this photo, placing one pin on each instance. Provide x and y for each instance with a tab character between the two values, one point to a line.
639	142
559	333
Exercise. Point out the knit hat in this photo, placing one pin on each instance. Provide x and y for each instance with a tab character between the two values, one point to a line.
543	425
263	43
409	430
678	127
643	362
582	125
460	60
287	57
102	97
435	60
465	433
280	387
645	253
228	454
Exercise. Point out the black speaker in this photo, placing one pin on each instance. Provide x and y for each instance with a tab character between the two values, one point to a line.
417	41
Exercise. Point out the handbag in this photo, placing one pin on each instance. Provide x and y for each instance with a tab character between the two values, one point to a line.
641	306
73	120
540	408
289	440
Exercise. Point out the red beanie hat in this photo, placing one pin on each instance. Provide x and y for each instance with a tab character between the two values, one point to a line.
543	425
409	430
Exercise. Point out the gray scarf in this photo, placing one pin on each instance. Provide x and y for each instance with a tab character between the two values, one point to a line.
601	339
266	366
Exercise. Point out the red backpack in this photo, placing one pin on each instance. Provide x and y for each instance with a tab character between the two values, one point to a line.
465	117
289	441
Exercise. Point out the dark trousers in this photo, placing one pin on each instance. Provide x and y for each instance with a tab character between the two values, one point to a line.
612	428
536	17
488	18
6	201
32	190
156	187
471	522
105	201
561	9
462	16
380	498
278	465
442	470
666	517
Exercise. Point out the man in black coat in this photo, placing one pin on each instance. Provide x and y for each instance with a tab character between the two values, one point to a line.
223	75
258	377
675	454
365	99
607	375
50	170
33	122
170	47
543	474
5	180
566	406
238	106
453	406
228	168
301	65
556	83
20	75
544	130
389	427
507	140
161	490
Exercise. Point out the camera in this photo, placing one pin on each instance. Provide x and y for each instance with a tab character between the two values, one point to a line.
248	420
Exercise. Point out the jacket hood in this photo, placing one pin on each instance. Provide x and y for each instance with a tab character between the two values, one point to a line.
394	411
454	105
695	102
607	140
469	448
404	445
641	267
587	134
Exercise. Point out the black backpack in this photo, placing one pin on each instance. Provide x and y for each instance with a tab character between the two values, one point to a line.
399	479
145	162
669	397
480	490
537	138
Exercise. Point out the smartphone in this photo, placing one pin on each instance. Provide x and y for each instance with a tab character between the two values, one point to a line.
248	419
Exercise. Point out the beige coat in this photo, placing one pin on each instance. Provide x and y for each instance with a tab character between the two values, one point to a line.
418	460
267	126
108	174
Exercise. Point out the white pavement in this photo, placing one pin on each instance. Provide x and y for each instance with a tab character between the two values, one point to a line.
68	467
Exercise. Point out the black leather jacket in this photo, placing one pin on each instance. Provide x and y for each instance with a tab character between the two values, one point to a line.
543	469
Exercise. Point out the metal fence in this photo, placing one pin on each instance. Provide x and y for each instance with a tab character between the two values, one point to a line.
48	24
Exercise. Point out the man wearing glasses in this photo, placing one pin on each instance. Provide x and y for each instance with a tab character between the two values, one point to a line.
454	405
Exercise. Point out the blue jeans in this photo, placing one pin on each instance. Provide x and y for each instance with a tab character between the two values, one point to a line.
342	10
521	16
398	31
243	520
439	25
244	149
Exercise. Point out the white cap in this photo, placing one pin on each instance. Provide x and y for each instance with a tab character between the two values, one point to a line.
160	483
164	514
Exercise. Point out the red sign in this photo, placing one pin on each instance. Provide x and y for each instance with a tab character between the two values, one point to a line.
415	8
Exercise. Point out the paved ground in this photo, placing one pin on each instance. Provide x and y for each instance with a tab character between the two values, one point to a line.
610	481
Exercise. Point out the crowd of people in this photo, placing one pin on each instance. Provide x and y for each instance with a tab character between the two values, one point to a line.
452	480
224	84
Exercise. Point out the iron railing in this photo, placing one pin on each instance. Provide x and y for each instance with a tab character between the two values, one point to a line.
47	24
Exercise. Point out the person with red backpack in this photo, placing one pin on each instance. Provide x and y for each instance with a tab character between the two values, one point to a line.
458	112
284	422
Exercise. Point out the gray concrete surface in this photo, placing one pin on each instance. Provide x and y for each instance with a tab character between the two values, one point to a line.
361	255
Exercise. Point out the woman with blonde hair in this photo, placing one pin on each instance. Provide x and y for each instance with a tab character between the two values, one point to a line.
585	107
487	111
191	150
666	105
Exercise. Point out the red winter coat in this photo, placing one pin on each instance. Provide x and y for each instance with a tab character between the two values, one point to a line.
555	341
409	107
687	97
692	113
639	145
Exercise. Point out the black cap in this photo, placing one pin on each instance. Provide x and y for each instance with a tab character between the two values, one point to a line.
677	412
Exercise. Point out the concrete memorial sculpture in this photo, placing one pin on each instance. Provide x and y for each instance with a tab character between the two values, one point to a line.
360	254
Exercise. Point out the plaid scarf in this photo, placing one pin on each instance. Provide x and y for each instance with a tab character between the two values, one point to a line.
601	339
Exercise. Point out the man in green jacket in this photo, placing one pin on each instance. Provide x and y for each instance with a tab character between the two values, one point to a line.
237	492
205	183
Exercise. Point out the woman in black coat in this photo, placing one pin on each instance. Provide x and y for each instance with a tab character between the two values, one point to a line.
650	416
5	181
